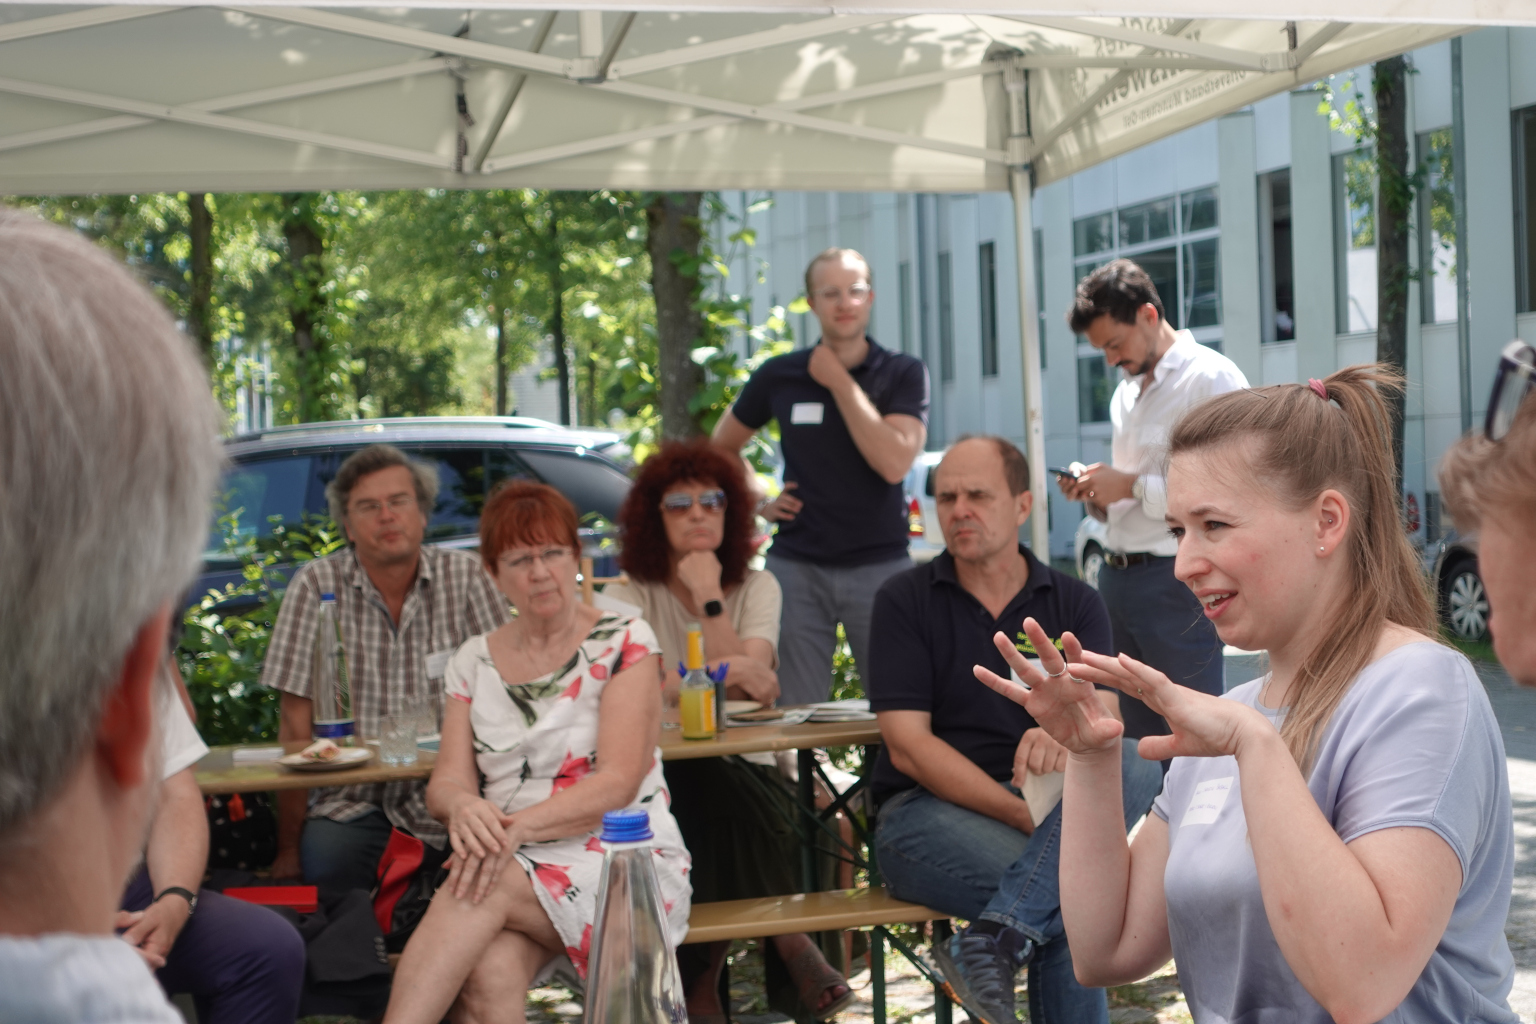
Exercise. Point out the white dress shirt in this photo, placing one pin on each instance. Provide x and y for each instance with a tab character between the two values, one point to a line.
1143	413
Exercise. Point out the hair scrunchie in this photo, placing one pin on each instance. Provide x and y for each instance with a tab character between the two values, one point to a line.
1319	387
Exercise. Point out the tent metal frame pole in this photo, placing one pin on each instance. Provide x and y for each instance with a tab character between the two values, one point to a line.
493	130
1459	208
1029	317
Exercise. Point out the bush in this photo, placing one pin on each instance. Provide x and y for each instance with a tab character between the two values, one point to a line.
221	654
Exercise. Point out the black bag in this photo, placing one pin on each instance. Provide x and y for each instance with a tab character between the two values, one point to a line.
242	831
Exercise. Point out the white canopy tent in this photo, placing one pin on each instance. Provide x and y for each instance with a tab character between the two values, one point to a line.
775	94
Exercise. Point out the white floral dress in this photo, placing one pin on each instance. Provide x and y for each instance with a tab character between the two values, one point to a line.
536	738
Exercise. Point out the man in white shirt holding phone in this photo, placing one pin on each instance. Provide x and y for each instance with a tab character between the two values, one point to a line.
1155	618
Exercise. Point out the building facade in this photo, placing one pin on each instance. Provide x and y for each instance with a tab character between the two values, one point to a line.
1258	228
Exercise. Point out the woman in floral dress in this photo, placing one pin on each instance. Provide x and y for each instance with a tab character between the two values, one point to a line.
559	711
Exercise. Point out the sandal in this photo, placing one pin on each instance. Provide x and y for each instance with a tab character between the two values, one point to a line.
826	993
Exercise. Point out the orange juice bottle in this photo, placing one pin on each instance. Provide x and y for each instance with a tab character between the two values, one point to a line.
696	699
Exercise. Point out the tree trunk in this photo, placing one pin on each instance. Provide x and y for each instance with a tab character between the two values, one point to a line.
306	249
674	239
1389	82
199	303
501	360
557	316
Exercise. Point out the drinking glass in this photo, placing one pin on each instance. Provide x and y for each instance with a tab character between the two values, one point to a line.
397	740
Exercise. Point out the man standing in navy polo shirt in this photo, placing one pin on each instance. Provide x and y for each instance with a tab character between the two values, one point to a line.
954	832
852	417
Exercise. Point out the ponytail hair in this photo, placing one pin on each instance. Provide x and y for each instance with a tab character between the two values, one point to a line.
1308	438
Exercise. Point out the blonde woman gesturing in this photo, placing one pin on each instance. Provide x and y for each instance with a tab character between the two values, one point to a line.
1334	840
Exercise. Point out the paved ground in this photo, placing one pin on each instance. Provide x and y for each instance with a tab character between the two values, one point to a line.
909	999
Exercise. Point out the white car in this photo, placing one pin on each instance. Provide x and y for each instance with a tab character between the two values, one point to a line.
1090	544
924	538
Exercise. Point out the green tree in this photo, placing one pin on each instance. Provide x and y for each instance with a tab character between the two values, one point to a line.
1379	180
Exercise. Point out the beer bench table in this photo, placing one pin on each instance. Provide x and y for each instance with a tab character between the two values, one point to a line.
835	910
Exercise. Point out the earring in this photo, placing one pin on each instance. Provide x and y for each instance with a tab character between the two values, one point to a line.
1322	549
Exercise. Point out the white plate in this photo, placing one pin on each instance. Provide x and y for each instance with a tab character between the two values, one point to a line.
349	757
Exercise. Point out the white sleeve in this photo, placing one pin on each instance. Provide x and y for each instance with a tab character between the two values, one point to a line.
180	745
1154	496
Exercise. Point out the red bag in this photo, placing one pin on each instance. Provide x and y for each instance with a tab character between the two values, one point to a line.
397	870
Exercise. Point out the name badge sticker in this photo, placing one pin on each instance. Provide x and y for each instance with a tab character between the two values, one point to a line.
1210	797
1034	663
806	412
437	663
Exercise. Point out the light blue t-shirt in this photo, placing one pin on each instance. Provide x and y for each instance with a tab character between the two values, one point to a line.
1413	743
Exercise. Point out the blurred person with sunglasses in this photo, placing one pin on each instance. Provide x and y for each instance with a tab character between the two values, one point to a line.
688	535
1488	481
852	417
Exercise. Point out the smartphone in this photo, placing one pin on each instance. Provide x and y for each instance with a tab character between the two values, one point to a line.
1059	471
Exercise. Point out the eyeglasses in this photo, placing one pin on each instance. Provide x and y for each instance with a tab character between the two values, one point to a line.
1515	379
368	508
857	294
550	557
679	503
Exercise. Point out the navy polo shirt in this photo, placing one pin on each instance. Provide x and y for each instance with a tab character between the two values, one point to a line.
927	632
851	515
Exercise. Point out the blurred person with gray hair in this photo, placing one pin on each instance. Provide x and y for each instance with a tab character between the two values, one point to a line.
403	608
108	458
1488	481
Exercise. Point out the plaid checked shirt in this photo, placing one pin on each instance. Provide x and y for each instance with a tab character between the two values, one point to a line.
452	600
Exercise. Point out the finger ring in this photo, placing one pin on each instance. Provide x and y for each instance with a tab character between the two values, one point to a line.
1058	673
1139	692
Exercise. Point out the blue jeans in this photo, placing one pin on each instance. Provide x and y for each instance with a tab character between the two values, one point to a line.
933	852
342	855
1158	621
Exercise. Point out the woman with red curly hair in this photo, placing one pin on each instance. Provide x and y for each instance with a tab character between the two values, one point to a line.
688	526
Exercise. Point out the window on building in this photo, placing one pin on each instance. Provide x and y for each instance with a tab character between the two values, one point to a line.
1525	207
946	319
1162	266
1093	234
987	276
1354	230
1198	209
1200	294
1437	230
904	298
1148	222
1094	389
1275	268
1040	290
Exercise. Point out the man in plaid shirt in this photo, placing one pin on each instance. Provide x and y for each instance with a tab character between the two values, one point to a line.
403	609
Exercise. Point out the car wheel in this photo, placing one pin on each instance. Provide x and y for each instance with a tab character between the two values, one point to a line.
1093	561
1465	602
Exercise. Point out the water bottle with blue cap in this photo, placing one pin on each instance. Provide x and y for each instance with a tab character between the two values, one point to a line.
332	718
632	975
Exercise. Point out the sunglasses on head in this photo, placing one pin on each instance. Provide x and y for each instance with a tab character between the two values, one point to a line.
1515	379
680	503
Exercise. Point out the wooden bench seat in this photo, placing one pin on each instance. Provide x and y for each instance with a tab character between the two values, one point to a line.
834	911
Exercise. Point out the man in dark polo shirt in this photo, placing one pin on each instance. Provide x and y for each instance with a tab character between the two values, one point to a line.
954	831
852	417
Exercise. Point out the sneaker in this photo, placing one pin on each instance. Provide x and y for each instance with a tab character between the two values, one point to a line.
978	971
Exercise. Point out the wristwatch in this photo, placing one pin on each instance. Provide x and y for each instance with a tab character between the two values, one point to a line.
1139	488
712	609
176	890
